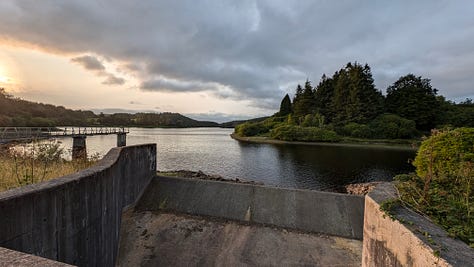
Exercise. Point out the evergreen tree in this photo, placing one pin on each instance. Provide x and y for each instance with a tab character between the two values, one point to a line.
413	98
285	106
340	102
323	95
355	97
304	103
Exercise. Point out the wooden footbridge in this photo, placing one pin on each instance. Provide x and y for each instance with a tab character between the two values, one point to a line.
79	134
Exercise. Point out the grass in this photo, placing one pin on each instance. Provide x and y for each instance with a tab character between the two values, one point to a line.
36	162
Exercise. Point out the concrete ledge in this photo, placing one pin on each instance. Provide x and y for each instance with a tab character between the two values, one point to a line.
306	210
14	258
76	218
388	242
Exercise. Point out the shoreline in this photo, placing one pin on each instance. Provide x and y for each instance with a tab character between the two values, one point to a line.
368	144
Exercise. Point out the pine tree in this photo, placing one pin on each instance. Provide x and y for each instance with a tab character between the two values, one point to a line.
304	102
285	106
355	97
323	95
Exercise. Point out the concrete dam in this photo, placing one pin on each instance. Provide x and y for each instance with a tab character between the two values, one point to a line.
120	213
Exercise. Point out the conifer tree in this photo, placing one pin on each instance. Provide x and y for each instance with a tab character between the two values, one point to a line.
304	103
285	106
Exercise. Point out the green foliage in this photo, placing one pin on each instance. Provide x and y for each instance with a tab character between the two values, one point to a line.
304	102
355	97
442	187
308	134
313	120
390	126
251	129
442	154
413	98
323	95
357	130
285	106
386	126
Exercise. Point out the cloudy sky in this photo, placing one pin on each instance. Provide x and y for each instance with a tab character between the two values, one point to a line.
224	60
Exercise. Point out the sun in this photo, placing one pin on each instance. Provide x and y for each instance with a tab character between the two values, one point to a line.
4	77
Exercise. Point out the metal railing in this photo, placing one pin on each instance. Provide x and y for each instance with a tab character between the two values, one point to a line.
29	133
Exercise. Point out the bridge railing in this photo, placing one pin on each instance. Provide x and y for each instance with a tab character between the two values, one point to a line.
72	131
22	133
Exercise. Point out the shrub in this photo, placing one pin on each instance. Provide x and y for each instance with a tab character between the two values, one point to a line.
390	126
357	130
251	129
442	187
442	154
310	120
310	134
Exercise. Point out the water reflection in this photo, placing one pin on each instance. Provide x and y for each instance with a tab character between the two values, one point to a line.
213	151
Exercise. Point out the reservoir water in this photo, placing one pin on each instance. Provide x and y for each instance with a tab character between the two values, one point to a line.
213	151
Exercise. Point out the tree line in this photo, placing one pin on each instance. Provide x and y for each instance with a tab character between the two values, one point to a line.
18	112
349	104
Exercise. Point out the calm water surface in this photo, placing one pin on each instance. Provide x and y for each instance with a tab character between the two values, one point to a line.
212	151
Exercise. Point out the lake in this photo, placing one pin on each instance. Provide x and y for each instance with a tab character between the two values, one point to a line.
213	151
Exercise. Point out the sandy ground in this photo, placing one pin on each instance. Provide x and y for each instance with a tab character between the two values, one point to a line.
164	239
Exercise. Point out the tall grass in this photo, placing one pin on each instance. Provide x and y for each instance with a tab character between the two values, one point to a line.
36	162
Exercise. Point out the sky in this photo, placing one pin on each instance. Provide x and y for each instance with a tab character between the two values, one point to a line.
223	60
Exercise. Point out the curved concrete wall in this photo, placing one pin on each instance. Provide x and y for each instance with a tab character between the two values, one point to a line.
76	218
306	210
419	242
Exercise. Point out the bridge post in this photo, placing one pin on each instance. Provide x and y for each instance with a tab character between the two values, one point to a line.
79	147
121	139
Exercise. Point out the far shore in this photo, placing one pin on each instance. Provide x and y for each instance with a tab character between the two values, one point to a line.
369	143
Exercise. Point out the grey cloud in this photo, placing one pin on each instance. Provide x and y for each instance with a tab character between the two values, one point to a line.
89	63
256	50
113	80
94	64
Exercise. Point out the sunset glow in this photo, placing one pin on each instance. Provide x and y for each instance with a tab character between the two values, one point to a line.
237	63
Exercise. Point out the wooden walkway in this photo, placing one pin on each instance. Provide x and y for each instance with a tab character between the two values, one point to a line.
10	134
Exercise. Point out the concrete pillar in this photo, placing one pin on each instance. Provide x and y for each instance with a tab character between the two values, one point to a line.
121	139
79	147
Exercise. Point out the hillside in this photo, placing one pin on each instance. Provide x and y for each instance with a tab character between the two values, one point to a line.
18	112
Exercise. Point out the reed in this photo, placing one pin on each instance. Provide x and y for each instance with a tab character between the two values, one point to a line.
36	162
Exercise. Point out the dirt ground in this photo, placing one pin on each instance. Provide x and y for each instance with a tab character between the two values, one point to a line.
164	239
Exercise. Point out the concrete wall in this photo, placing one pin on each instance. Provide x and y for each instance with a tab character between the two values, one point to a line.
388	242
76	219
314	211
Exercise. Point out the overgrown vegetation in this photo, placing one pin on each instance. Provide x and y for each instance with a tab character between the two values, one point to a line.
443	186
348	105
36	162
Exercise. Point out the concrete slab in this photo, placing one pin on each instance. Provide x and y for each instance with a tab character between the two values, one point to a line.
150	238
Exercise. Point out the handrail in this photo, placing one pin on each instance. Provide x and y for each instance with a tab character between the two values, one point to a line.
22	133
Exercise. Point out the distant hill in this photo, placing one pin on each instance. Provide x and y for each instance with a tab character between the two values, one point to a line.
232	124
166	119
18	112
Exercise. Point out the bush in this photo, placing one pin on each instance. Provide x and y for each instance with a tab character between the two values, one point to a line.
390	126
316	120
251	129
357	130
309	134
444	152
442	187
